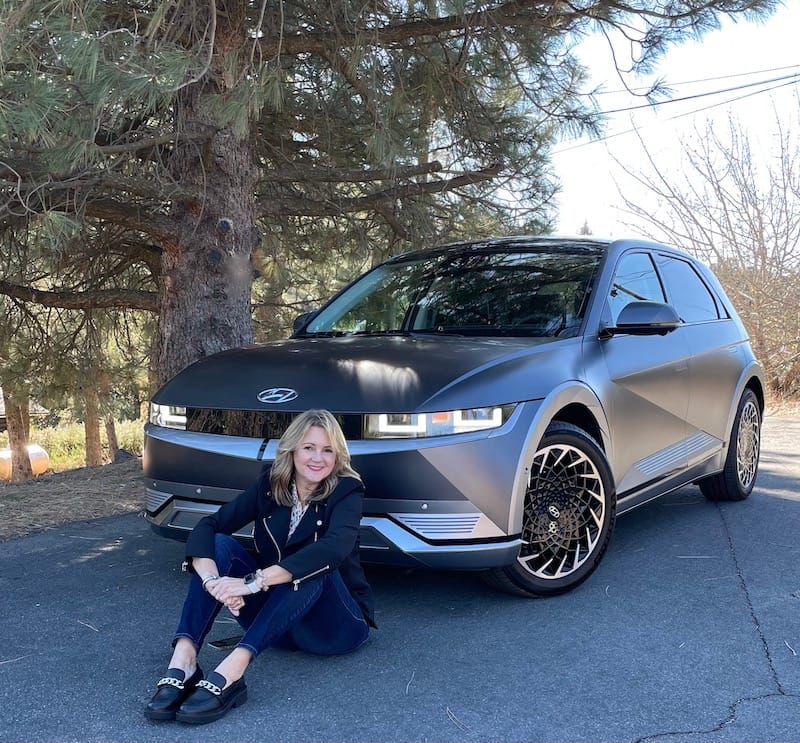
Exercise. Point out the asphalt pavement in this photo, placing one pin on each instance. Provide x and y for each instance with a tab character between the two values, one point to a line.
689	631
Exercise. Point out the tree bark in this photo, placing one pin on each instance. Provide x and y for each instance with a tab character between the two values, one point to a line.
206	271
91	427
111	437
17	436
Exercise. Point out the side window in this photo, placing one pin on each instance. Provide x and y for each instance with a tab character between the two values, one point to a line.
635	279
686	290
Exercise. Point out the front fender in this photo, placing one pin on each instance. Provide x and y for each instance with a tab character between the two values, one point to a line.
566	394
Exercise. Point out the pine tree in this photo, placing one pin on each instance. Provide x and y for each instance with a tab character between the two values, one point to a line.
198	132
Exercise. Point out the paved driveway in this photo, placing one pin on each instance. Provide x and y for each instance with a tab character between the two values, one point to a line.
689	631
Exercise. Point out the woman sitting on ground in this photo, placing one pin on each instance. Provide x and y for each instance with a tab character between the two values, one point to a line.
304	588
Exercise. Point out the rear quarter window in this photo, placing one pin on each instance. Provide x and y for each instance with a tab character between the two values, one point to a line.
686	291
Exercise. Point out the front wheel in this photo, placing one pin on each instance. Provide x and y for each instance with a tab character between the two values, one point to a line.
568	517
738	476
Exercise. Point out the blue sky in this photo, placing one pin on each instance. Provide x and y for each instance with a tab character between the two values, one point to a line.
741	57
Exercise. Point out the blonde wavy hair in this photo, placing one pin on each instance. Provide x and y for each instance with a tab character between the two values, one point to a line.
282	472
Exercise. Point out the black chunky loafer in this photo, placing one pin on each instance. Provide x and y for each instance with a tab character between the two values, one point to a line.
171	692
210	700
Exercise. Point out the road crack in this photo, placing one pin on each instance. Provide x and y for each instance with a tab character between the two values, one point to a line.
733	709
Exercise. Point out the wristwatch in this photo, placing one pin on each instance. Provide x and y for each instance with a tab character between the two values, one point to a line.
251	581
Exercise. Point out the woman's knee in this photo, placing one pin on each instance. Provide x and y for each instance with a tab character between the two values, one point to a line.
228	552
224	543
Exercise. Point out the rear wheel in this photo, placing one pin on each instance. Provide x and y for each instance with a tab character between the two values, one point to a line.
568	516
738	477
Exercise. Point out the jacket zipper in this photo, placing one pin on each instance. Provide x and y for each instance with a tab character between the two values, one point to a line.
274	541
297	581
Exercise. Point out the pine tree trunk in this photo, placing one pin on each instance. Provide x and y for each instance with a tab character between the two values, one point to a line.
17	436
111	437
206	270
91	427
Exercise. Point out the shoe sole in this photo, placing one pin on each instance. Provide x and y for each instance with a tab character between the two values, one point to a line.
159	715
201	718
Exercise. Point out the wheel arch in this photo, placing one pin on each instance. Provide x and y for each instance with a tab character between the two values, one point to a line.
752	378
573	403
581	416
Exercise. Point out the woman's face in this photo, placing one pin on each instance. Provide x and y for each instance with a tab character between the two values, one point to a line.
314	460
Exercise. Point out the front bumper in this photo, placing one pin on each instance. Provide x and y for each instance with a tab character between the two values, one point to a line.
384	539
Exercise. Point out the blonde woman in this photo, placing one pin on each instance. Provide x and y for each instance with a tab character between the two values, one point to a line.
303	588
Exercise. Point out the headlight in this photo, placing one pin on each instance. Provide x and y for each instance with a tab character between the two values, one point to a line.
168	416
418	425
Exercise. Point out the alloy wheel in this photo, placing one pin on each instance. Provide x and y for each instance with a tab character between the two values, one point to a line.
748	442
565	506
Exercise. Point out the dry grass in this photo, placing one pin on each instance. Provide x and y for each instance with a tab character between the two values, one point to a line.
74	495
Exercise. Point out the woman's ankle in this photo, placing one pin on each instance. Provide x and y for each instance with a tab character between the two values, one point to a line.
234	665
184	656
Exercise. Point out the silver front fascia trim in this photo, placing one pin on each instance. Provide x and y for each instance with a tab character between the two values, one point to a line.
449	525
212	443
155	499
444	556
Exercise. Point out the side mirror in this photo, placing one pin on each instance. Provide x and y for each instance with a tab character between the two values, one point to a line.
302	320
644	318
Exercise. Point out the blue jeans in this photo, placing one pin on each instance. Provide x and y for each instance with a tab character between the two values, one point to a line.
319	617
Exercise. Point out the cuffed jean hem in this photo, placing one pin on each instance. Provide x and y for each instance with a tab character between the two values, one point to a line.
183	635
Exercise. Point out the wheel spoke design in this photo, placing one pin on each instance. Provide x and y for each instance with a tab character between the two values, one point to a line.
748	443
565	508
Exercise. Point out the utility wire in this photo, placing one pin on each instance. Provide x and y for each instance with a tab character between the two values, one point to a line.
782	83
700	80
794	77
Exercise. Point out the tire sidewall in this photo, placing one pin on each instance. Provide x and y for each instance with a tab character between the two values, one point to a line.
732	463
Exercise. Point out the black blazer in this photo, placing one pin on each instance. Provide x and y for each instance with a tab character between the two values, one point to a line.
325	539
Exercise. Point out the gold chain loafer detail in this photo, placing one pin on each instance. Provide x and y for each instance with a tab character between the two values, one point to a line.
210	700
171	692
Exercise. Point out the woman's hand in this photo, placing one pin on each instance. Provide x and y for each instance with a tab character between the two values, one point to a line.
229	591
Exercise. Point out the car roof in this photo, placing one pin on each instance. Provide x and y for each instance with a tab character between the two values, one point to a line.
534	244
522	243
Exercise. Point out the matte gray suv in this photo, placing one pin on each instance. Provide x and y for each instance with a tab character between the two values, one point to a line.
503	400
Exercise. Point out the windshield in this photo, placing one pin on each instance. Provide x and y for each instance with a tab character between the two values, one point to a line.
538	294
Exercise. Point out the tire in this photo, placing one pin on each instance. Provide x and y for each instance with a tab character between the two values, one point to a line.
568	516
738	476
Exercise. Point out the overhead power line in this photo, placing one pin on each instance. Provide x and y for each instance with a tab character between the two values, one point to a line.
773	83
715	78
794	77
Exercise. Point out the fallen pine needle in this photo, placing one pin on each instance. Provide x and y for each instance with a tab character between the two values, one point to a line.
13	660
86	624
790	647
455	720
413	673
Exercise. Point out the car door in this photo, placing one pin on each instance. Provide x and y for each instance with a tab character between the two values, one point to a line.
646	383
717	353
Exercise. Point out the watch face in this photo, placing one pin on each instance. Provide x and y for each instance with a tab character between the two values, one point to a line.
250	578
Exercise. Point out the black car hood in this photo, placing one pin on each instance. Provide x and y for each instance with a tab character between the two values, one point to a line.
368	374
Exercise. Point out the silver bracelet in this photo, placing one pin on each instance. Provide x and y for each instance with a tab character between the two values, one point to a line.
208	579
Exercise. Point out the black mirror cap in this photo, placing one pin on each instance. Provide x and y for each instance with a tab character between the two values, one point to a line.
645	318
302	320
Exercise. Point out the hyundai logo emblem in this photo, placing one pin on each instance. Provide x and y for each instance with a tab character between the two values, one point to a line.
276	395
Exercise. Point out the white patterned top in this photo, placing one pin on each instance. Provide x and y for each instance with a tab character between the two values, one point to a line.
298	510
